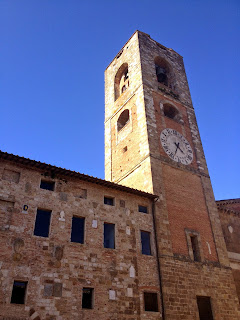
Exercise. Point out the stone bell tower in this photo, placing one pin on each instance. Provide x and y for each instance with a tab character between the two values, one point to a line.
152	143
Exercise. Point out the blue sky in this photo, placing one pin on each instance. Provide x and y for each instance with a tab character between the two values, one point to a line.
53	56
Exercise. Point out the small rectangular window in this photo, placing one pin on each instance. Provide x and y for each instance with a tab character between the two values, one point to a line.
87	298
47	185
109	235
195	248
150	301
19	292
109	201
204	308
146	245
42	223
142	209
77	234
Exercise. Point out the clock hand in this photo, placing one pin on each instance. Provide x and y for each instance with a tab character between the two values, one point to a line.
180	149
177	145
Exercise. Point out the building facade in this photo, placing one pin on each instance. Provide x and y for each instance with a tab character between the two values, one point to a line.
147	242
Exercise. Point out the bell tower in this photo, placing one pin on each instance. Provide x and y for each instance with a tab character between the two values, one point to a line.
152	143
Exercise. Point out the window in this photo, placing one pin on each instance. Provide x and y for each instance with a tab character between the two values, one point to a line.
161	75
109	235
47	185
150	301
77	234
142	209
170	111
194	245
121	82
19	292
42	223
204	308
123	119
109	201
195	248
87	298
162	71
146	246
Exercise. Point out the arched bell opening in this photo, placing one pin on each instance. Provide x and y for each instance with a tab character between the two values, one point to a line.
163	72
121	82
123	120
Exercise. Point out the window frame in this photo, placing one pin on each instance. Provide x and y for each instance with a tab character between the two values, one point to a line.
157	300
25	292
84	222
50	220
107	223
109	197
194	234
92	298
210	303
53	183
150	243
141	206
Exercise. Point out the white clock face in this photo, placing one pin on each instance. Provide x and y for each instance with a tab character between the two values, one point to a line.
176	146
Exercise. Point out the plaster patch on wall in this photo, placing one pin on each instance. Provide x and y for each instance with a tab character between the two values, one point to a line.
94	224
129	292
112	295
132	272
128	230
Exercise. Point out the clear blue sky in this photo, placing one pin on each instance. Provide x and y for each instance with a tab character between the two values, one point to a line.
53	56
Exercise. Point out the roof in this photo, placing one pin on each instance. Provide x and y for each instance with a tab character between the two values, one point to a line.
65	172
229	205
138	31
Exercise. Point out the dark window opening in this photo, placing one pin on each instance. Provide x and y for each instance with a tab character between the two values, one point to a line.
19	292
161	75
77	234
109	201
47	185
170	111
150	301
87	298
109	235
195	248
124	88
143	209
42	223
146	246
123	119
126	75
204	308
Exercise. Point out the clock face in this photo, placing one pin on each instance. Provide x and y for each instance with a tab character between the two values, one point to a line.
176	146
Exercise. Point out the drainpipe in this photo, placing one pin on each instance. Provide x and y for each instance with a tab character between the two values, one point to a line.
158	255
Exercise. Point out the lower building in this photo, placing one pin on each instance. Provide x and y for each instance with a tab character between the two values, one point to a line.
78	247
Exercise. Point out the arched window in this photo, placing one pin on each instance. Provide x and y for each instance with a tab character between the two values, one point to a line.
163	72
170	111
123	119
121	82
